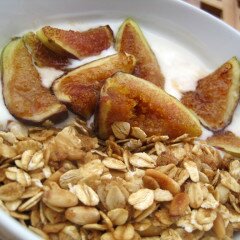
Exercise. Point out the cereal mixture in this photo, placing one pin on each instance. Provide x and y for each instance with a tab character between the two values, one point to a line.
66	184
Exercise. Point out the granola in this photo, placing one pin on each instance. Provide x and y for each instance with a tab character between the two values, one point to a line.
66	184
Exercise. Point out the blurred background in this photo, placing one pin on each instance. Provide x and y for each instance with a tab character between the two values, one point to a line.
227	10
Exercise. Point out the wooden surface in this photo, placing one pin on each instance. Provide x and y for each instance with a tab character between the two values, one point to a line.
227	10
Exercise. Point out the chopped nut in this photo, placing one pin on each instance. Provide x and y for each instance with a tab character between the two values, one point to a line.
59	197
141	199
150	182
82	215
164	181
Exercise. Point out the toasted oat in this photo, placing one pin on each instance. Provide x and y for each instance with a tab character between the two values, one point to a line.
86	194
142	199
118	216
195	194
162	195
142	160
30	203
121	129
11	191
115	198
192	169
138	133
228	181
113	163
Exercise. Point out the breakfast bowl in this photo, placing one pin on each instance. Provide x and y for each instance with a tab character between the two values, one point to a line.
188	43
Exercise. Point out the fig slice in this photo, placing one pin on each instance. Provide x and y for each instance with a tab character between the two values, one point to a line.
130	39
76	44
24	96
126	98
43	56
216	96
80	88
226	141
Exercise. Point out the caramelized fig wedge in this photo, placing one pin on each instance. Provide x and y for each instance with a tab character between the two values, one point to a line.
43	56
130	39
216	96
80	88
74	43
226	141
130	99
23	93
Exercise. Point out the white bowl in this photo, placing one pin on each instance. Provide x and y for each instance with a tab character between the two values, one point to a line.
205	36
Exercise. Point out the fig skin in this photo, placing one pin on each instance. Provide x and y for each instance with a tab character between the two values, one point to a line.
24	96
226	141
80	88
43	56
130	39
127	98
216	96
75	44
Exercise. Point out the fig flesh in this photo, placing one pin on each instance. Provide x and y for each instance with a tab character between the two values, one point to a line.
130	39
24	96
127	98
216	96
76	44
80	88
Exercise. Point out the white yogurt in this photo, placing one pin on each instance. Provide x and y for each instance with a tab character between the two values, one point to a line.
48	75
181	67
